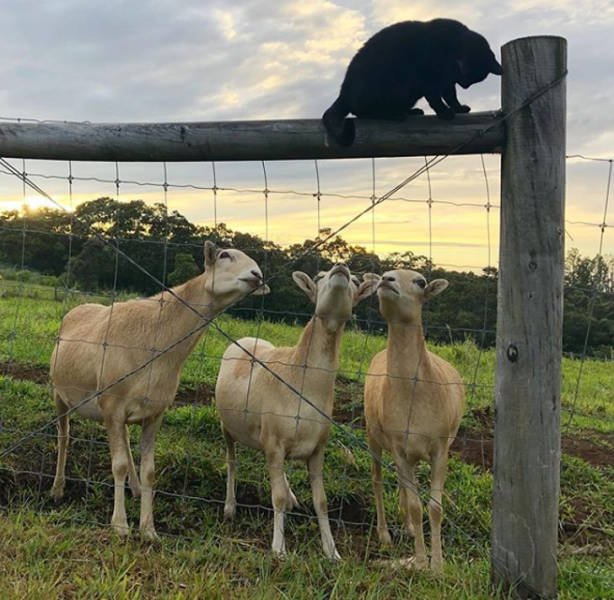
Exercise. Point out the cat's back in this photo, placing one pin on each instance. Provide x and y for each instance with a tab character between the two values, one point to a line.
399	37
407	39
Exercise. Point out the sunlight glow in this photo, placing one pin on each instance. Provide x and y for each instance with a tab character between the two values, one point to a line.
32	202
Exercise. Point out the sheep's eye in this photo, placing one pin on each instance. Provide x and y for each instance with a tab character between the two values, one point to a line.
317	277
420	283
224	254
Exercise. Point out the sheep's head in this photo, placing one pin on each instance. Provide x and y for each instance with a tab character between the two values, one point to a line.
334	292
402	293
231	274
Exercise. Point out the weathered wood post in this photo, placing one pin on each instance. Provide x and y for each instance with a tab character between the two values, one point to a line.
529	320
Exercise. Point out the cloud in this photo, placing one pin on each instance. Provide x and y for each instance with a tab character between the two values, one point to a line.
391	11
226	23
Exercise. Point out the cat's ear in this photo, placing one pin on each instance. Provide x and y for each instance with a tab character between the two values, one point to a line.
495	67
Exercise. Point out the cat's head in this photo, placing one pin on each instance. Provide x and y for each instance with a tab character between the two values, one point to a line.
476	60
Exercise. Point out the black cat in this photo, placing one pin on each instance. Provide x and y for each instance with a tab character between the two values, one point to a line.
403	62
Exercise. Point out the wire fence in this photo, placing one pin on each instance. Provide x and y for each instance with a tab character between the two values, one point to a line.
360	199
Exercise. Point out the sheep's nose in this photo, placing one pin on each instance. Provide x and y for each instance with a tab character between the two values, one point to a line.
256	274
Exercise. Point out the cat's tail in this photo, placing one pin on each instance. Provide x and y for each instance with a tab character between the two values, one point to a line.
342	130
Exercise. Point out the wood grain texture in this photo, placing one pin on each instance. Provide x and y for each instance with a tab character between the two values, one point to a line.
247	140
529	320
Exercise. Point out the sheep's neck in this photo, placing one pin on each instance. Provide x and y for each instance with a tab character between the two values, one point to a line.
318	347
406	352
176	320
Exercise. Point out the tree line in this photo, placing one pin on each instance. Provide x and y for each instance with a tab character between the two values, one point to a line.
72	248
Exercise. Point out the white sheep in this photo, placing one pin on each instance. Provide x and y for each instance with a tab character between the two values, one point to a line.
414	402
97	367
258	410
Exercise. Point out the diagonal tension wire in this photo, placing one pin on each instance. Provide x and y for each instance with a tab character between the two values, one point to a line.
433	161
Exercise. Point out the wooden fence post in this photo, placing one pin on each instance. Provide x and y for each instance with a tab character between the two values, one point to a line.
529	319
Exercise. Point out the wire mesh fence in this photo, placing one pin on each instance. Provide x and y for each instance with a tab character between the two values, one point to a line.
120	248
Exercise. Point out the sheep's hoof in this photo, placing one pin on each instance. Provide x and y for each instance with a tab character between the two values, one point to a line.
279	552
229	513
416	563
384	537
121	530
57	492
437	566
334	555
149	534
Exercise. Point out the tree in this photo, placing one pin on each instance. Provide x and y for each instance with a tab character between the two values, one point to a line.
185	269
93	268
588	304
157	244
35	239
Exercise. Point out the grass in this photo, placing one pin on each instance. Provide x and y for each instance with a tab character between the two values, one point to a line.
66	550
44	556
73	561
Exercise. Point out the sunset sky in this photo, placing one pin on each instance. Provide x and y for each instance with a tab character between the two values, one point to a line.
212	61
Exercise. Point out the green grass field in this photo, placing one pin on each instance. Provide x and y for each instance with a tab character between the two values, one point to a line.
66	550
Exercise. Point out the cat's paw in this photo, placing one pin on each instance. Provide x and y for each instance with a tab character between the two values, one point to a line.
446	114
462	108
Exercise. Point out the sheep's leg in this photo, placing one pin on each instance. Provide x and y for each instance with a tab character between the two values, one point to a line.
439	468
412	513
275	463
133	479
230	506
378	491
148	475
315	464
63	425
119	466
291	502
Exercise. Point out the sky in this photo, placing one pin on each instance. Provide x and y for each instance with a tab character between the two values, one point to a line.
144	61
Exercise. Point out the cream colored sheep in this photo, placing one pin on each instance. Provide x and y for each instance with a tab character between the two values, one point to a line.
414	402
99	354
258	410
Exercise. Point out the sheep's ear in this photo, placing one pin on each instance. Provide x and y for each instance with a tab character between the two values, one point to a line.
210	254
263	290
367	287
495	67
306	284
435	288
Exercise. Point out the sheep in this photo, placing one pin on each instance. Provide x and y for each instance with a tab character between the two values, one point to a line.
121	364
258	410
414	402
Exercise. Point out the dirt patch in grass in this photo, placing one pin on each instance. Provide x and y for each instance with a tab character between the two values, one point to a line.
598	454
474	444
201	395
35	373
474	447
348	402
